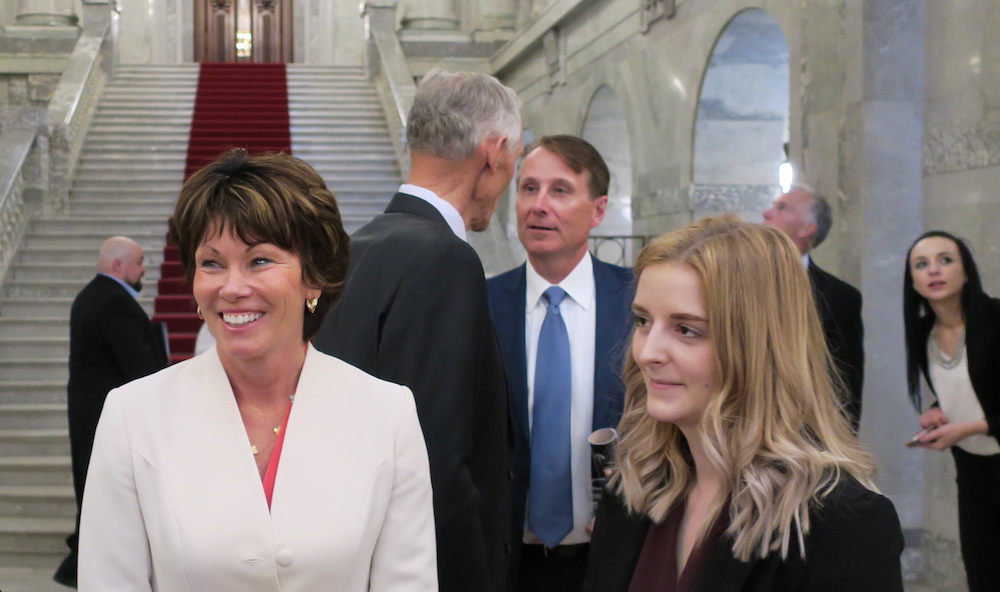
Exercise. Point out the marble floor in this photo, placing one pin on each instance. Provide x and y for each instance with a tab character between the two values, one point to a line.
24	579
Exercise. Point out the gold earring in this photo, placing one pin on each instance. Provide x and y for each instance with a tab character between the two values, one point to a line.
312	303
199	314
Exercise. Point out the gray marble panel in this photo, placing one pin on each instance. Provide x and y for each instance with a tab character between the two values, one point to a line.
732	198
891	34
962	148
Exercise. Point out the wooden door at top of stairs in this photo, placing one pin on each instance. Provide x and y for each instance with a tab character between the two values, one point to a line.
243	31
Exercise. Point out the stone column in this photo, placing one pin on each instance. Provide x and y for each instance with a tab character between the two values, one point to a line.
44	19
885	127
496	14
46	13
428	15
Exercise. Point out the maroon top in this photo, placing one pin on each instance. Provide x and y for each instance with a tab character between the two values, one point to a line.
656	570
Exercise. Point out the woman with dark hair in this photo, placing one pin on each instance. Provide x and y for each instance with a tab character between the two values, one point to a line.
953	340
261	464
737	469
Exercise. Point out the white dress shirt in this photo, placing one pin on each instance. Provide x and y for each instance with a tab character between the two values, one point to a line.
579	311
451	215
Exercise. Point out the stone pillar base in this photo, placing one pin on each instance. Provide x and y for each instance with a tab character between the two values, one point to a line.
42	31
430	24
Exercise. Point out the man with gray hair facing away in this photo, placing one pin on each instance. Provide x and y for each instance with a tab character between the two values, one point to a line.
414	312
806	217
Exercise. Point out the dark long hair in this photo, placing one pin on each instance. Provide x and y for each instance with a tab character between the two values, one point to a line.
919	317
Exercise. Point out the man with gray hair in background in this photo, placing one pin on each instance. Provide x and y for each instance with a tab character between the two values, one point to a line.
414	311
806	217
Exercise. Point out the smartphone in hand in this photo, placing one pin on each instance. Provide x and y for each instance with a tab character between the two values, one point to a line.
915	440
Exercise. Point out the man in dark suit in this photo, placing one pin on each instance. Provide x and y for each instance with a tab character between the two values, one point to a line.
562	195
415	312
806	217
111	342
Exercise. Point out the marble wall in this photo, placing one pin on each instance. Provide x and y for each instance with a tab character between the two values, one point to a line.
853	118
961	163
162	32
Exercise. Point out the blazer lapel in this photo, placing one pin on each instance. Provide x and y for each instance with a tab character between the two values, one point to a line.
510	333
610	294
722	572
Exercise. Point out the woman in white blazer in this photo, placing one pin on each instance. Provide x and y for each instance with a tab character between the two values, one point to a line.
261	464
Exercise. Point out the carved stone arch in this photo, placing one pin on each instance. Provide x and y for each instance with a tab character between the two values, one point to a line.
606	125
741	124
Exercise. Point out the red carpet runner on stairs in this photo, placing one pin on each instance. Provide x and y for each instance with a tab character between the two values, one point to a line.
237	105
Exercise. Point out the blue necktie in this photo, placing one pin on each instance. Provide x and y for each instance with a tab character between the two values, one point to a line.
550	497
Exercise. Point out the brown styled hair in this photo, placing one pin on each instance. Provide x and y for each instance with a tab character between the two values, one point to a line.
579	155
271	198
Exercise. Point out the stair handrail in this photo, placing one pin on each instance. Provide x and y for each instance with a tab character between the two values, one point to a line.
386	65
15	195
72	107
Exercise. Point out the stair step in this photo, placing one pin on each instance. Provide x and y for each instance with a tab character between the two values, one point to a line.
15	327
36	470
52	306
51	416
82	272
28	442
37	501
44	390
105	227
23	537
42	347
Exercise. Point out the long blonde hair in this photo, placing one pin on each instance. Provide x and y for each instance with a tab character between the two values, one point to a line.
776	429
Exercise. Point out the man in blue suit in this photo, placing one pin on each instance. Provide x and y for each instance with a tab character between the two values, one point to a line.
562	320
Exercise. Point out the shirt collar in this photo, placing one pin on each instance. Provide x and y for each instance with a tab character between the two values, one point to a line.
579	284
127	287
448	211
806	260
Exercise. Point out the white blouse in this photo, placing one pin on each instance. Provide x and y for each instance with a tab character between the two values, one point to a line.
958	401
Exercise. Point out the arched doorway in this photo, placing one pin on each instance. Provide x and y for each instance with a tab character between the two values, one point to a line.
243	30
741	127
606	127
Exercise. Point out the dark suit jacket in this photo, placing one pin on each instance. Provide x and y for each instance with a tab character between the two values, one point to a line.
854	545
507	301
415	312
839	306
111	342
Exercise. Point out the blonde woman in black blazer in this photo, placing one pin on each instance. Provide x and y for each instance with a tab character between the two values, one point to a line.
736	469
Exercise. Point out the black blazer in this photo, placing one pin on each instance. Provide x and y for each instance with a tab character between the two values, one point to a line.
854	545
982	343
613	300
414	312
111	342
839	306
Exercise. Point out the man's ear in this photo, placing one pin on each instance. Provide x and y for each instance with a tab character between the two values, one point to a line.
117	266
600	209
808	230
491	148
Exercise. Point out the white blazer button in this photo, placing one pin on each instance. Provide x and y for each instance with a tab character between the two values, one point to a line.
285	557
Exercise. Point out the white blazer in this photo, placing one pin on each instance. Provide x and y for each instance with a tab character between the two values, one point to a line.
174	501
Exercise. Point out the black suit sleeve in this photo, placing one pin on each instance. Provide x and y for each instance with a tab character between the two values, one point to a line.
851	354
855	544
126	328
437	338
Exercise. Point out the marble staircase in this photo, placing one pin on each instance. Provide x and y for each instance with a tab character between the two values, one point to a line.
127	180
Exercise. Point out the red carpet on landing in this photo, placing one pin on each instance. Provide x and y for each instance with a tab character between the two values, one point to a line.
236	106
